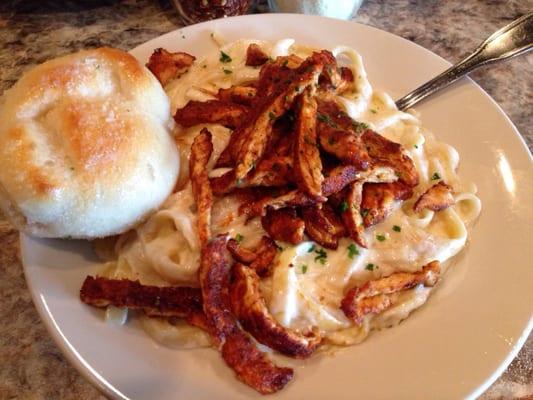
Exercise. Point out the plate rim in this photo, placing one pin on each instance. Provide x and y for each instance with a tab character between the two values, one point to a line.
98	381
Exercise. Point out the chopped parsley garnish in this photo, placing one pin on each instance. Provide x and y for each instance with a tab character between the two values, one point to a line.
370	267
327	120
343	207
227	71
416	146
364	212
304	269
353	250
271	115
279	247
359	126
396	228
381	238
224	58
435	176
239	237
284	63
321	256
311	249
373	111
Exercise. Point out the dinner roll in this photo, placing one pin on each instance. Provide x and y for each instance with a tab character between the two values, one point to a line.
86	149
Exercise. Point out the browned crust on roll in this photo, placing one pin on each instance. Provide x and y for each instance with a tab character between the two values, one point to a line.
201	150
437	198
249	306
167	66
374	296
284	225
211	111
378	199
255	56
250	365
323	226
153	300
307	163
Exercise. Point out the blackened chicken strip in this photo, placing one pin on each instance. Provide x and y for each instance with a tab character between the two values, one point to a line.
437	198
211	111
375	296
249	306
307	163
379	198
251	366
322	225
167	66
258	130
201	150
164	301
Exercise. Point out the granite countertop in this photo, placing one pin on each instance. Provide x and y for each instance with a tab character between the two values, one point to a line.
33	31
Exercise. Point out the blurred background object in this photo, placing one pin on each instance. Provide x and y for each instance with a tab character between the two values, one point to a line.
343	9
193	11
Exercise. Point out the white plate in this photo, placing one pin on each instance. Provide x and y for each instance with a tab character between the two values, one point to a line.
454	347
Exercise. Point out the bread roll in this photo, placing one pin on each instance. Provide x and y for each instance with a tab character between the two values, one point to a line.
86	149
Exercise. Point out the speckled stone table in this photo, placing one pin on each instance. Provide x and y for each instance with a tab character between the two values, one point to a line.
31	366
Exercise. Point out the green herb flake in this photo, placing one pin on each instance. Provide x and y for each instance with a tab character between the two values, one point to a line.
353	250
359	127
279	247
396	228
364	212
343	207
373	111
271	115
239	237
284	63
304	269
435	176
370	267
224	58
311	249
227	71
381	238
322	255
416	146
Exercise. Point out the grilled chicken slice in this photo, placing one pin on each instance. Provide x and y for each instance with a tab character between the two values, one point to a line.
251	366
351	213
307	163
379	198
249	306
375	296
259	259
437	198
386	152
284	225
211	111
201	150
243	95
167	66
322	225
255	56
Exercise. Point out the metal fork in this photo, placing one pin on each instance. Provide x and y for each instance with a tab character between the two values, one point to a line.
510	41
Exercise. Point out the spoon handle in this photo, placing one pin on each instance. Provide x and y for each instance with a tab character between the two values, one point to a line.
511	40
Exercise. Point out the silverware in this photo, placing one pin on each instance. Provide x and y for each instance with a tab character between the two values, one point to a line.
510	41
